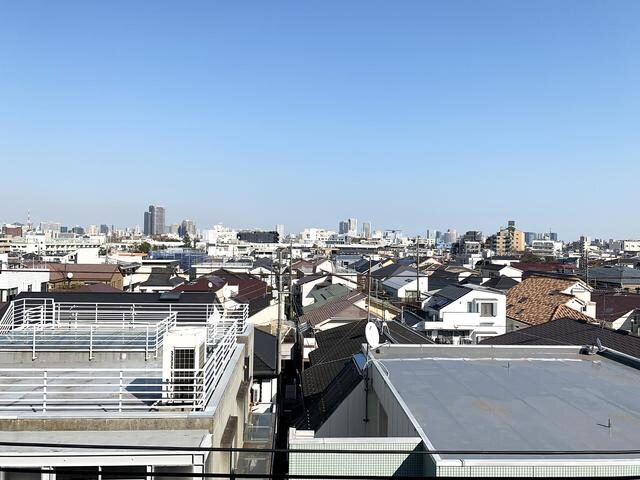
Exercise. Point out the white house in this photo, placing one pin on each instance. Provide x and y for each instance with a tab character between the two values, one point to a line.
491	270
17	280
406	286
464	314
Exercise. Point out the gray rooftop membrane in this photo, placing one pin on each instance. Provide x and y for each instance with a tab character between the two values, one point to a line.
513	399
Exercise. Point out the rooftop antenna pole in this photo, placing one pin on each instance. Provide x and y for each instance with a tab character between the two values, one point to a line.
369	292
418	268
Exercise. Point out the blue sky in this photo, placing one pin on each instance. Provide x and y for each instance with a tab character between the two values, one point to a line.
411	114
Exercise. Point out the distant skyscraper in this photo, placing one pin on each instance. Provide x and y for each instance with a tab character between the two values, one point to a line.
92	230
187	227
104	229
366	229
353	226
529	237
343	227
154	221
553	236
450	236
280	231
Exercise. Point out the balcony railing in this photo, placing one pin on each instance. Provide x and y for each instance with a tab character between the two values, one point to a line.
47	311
49	327
41	390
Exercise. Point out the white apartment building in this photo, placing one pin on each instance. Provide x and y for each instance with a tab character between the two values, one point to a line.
174	373
546	248
631	246
17	280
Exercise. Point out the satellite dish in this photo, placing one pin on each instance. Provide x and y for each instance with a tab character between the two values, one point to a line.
372	335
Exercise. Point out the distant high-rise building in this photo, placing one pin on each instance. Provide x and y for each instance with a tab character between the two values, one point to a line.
104	229
450	236
280	231
353	226
78	230
343	227
553	236
529	237
187	227
92	230
366	229
508	240
154	221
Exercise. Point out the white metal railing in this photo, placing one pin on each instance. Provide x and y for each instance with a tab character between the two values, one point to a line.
48	311
38	336
103	389
221	344
49	326
7	320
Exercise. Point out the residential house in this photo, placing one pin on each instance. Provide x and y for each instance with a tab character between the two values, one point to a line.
464	314
615	276
14	281
452	275
161	279
406	287
491	270
332	373
569	331
542	298
620	311
67	276
235	287
346	308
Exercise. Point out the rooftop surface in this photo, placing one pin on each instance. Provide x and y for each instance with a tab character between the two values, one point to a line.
178	438
516	399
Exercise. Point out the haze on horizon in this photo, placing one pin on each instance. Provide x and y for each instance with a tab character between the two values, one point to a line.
413	115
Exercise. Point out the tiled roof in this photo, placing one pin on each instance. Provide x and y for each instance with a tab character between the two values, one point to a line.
342	307
83	272
611	306
537	299
501	283
568	331
337	345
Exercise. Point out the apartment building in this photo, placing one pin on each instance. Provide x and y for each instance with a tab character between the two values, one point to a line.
133	370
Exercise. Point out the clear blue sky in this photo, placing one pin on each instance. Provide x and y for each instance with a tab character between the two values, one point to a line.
413	114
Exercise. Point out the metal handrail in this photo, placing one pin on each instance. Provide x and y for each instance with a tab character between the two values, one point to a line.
104	389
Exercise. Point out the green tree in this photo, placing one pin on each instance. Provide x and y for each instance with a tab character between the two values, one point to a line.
186	241
143	247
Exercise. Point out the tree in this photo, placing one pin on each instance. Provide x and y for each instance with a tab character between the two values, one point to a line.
529	257
143	247
186	241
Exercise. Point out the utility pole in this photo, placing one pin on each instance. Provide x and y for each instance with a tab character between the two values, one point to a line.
369	292
280	309
418	268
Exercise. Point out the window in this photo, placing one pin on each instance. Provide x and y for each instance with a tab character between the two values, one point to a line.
469	307
487	309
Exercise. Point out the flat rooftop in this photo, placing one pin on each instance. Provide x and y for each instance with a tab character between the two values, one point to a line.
515	399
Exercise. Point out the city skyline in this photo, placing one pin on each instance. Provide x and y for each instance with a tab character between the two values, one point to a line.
481	113
361	225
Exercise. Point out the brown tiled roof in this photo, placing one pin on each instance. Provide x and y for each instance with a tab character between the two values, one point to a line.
83	272
538	299
612	306
342	307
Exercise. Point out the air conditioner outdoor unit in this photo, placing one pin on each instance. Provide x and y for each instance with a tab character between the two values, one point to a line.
183	361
